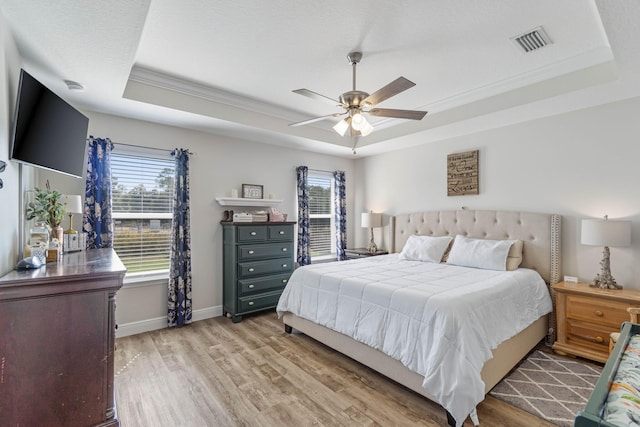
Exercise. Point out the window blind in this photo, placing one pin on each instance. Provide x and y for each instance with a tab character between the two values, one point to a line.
142	201
320	215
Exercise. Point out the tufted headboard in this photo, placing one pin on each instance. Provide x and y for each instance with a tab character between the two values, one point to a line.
539	232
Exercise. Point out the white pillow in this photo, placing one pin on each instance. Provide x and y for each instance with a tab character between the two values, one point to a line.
480	253
425	248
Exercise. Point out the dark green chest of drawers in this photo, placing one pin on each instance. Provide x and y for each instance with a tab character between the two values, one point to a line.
258	260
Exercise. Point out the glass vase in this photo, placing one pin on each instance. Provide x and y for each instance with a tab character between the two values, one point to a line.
38	243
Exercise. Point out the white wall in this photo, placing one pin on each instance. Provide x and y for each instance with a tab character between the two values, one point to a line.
219	164
582	164
10	212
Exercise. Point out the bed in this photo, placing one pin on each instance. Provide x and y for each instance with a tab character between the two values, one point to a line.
467	367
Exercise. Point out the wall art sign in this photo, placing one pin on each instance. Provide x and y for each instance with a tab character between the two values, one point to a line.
252	191
462	173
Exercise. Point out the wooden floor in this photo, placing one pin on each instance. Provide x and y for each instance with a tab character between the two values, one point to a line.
216	373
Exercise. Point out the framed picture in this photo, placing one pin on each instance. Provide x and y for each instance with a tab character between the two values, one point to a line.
252	191
462	173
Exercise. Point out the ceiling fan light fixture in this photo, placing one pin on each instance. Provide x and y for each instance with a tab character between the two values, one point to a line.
358	121
342	126
367	129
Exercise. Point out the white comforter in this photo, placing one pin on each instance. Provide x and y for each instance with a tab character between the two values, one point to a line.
440	321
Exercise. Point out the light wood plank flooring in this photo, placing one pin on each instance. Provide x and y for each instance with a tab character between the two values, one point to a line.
216	373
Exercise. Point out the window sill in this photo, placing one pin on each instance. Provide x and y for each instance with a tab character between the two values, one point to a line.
323	258
151	278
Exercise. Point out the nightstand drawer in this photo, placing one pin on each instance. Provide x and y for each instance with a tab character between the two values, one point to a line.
251	286
589	334
257	268
269	250
258	302
610	313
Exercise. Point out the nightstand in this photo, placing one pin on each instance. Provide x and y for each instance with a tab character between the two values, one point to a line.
586	317
362	253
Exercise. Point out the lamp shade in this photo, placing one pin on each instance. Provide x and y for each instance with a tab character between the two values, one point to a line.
371	220
342	126
605	232
72	203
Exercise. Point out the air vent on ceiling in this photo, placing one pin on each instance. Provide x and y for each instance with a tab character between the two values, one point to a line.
532	40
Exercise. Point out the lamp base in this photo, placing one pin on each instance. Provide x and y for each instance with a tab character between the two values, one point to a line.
604	279
70	230
372	248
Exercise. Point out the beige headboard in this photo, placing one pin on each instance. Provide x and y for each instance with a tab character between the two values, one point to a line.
539	232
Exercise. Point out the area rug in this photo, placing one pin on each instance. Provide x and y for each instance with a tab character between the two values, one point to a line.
549	386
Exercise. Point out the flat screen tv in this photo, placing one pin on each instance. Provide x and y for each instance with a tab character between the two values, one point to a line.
47	131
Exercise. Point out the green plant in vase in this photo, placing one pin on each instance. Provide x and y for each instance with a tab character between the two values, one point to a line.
48	207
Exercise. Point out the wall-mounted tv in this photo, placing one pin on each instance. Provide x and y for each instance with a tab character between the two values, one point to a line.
47	131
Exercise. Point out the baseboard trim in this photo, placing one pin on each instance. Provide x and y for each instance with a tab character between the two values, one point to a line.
147	325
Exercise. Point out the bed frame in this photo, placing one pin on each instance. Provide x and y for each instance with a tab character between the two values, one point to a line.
541	236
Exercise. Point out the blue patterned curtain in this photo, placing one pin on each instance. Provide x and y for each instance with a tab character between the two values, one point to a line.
304	256
97	220
340	212
180	270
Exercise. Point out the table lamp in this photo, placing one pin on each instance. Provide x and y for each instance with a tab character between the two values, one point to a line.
371	220
72	204
605	232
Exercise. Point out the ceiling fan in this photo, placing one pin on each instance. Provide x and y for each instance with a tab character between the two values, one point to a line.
357	104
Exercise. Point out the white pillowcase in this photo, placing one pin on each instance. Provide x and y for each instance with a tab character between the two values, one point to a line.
425	248
480	253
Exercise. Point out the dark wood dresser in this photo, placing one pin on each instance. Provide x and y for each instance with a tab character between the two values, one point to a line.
57	342
257	262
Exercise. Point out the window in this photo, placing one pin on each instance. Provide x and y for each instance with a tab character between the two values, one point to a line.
321	221
142	191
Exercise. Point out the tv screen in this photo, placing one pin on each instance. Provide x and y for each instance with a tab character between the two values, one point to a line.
48	132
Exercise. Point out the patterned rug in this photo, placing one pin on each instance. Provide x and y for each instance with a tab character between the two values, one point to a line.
549	386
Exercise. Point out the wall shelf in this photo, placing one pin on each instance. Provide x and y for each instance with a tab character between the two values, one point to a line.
240	201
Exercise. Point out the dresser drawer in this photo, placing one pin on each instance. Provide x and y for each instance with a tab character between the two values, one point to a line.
261	251
252	286
281	232
258	302
257	268
590	335
252	233
609	313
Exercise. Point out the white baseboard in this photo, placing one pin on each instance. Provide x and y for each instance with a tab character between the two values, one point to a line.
148	325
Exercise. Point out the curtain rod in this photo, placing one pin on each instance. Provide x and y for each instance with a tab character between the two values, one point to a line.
151	148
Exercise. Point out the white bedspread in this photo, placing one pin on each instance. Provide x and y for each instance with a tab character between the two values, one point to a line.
439	321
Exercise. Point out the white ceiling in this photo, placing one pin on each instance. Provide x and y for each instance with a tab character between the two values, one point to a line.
229	67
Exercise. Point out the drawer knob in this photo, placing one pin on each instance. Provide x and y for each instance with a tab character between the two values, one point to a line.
598	313
253	233
281	232
251	270
284	280
598	339
251	252
284	265
251	303
284	249
252	286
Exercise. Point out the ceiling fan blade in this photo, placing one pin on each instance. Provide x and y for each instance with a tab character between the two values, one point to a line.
398	114
315	119
314	95
395	87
